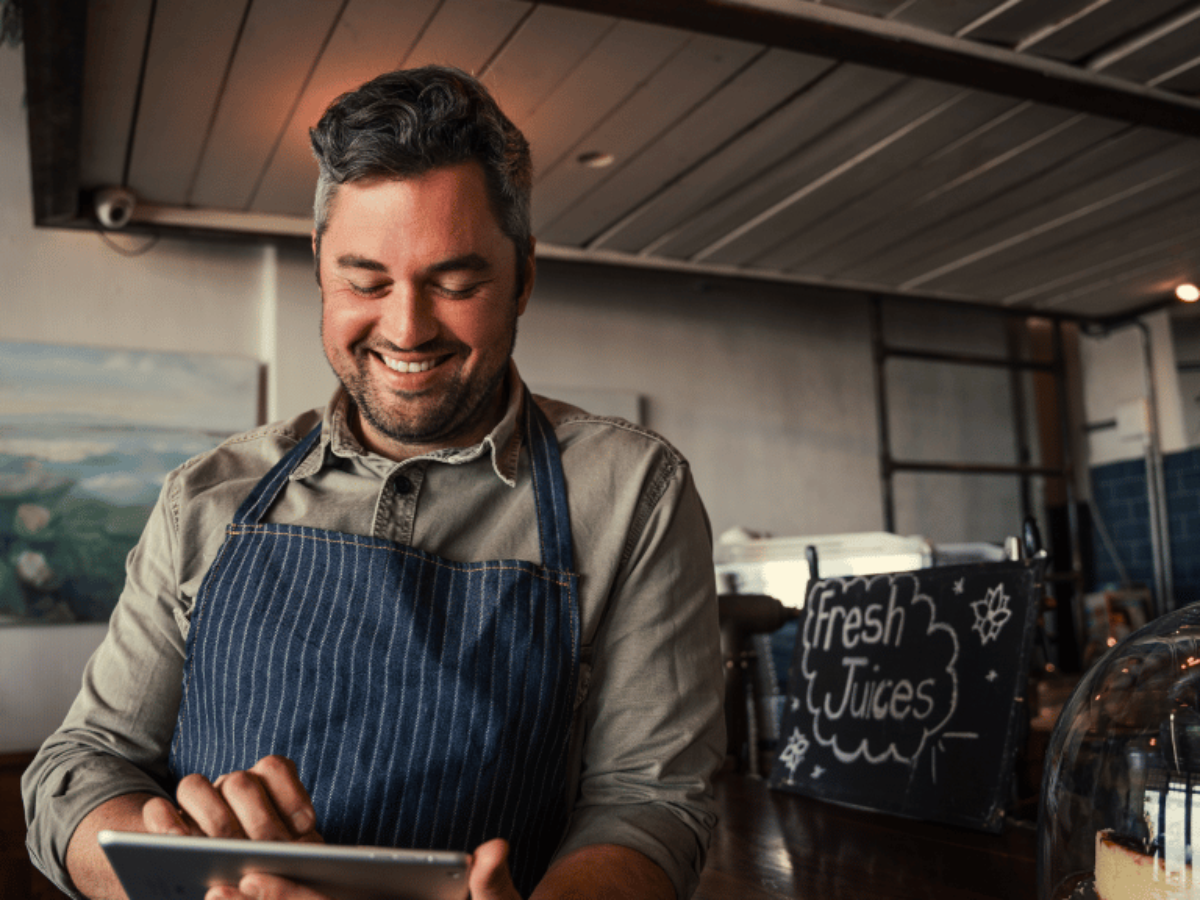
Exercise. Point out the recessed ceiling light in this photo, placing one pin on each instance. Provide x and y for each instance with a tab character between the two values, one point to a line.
1188	293
595	159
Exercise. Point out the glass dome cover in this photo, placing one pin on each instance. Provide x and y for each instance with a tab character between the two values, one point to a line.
1121	792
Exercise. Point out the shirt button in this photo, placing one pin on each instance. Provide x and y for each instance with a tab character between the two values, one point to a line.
402	485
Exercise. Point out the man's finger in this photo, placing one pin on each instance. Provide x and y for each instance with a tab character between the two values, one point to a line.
252	805
281	782
206	807
488	877
267	887
161	817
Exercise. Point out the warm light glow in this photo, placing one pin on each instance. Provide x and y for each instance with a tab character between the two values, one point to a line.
1188	293
595	159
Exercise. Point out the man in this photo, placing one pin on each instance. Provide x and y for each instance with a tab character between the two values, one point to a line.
438	613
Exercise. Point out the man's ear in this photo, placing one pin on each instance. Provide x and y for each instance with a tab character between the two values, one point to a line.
316	251
530	277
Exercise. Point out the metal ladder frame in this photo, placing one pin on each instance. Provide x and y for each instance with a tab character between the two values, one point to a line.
1023	469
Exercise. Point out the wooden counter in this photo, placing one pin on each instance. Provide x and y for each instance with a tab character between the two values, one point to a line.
772	845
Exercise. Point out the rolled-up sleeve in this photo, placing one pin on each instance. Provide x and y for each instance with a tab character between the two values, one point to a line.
653	730
115	737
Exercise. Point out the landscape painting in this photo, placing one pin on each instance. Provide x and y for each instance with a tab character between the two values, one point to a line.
87	436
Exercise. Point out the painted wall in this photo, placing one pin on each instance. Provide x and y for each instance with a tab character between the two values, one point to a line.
1117	390
68	287
1117	400
767	389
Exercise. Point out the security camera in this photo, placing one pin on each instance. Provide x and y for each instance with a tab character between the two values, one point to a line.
114	206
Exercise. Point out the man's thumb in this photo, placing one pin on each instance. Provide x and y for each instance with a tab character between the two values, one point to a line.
489	878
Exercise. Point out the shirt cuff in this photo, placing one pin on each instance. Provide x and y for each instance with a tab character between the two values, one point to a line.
677	846
54	807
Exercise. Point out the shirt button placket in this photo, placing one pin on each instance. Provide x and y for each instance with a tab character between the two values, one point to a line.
405	487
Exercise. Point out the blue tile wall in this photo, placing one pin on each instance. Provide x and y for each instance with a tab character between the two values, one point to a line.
1119	492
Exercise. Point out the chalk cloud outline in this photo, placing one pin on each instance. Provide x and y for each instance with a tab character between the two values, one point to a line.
815	709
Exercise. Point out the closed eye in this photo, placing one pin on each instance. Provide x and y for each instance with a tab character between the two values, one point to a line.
368	290
458	293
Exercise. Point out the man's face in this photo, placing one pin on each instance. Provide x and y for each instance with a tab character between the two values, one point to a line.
420	304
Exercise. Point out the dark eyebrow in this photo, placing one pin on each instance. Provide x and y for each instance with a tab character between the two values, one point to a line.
350	261
471	262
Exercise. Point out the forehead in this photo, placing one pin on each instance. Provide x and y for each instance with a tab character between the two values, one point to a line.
449	203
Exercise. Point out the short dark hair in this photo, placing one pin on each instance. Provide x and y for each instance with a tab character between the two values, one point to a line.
405	123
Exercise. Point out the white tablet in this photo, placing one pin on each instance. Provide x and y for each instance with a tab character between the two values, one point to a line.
155	866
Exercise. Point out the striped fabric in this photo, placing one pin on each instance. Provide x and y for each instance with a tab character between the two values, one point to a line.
426	703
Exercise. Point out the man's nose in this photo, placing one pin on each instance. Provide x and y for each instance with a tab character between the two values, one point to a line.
408	318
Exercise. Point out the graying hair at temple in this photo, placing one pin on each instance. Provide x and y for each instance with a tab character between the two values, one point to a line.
405	123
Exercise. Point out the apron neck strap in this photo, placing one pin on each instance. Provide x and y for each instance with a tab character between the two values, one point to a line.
255	506
550	490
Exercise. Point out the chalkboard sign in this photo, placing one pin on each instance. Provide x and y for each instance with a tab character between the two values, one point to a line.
906	692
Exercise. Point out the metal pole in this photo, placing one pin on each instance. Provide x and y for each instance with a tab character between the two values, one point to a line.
1021	432
1069	615
881	416
1160	538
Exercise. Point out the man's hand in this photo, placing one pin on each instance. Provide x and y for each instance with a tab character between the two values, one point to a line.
488	878
266	802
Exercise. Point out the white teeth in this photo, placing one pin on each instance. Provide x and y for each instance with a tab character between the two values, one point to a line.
398	365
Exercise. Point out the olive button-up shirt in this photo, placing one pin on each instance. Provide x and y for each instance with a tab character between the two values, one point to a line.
648	732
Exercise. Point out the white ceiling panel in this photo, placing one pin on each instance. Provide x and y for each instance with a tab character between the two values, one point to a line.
1098	25
975	138
1100	179
540	55
697	67
1175	51
1076	221
630	194
941	16
1095	251
1040	154
110	82
190	47
849	160
267	75
679	220
370	37
940	229
467	33
596	89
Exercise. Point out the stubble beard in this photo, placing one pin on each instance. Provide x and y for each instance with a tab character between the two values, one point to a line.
462	406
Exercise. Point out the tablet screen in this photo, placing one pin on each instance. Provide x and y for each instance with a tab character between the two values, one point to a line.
154	866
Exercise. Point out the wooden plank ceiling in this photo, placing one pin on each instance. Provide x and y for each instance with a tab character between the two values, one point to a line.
1038	154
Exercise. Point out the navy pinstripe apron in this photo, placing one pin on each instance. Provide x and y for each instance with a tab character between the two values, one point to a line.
426	703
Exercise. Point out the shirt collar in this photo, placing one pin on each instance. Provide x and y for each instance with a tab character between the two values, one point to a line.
503	442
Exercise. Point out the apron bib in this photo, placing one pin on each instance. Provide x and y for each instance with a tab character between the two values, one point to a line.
426	703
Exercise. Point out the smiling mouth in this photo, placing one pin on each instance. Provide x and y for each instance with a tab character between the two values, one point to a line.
407	368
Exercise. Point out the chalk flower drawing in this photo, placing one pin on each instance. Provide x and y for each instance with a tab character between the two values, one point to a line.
959	585
991	614
793	753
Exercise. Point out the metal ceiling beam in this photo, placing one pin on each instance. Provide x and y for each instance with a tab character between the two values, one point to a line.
834	33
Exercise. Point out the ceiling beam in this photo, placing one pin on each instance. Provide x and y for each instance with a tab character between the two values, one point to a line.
55	34
826	31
